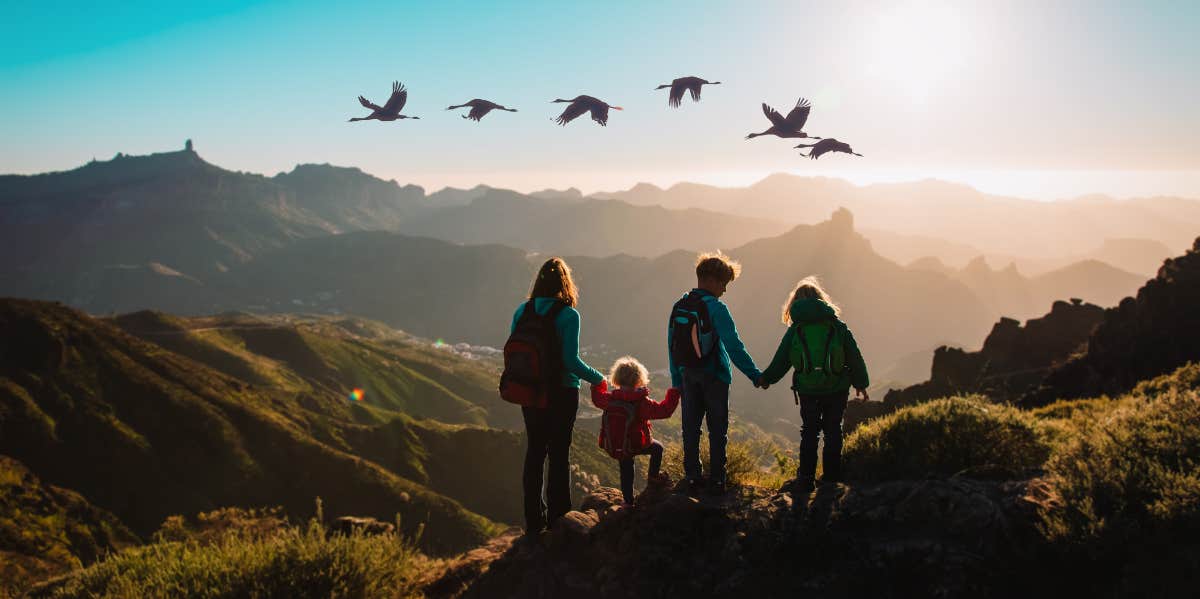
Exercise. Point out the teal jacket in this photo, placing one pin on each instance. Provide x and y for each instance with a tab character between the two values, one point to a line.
729	346
814	310
567	325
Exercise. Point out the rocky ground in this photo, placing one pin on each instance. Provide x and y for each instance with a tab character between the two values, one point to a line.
940	538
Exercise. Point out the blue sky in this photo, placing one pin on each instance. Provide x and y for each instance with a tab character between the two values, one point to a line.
1054	98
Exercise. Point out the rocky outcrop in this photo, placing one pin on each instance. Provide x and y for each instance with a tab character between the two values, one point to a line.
939	538
1013	361
1141	338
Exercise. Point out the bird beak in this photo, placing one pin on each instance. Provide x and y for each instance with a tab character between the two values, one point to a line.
616	108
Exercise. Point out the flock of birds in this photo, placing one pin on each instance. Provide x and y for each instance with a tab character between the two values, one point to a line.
787	127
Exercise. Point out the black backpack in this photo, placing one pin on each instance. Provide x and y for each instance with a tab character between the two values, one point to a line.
532	358
691	331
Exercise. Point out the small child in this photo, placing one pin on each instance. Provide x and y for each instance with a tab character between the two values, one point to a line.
625	425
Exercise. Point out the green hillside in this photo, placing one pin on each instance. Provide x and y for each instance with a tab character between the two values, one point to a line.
146	433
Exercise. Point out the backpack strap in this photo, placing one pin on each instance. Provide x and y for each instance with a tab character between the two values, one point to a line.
804	348
558	306
828	344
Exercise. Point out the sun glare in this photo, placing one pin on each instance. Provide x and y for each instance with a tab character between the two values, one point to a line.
917	48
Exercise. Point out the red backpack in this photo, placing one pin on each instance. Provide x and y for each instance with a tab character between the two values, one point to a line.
532	358
622	433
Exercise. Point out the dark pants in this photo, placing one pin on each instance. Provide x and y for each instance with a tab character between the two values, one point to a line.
655	449
705	398
548	433
821	415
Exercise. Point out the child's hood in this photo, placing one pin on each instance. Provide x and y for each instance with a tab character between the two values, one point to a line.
810	310
635	395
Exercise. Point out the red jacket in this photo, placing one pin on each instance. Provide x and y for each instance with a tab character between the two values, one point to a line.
647	410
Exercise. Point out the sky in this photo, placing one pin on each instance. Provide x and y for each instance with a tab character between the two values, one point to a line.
1038	99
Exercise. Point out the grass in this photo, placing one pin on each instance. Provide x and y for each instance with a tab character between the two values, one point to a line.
296	562
946	437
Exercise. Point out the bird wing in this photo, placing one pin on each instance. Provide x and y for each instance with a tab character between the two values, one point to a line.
694	87
774	116
574	109
478	111
399	96
677	88
600	113
367	104
822	147
799	115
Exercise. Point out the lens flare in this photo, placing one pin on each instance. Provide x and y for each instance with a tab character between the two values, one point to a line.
356	395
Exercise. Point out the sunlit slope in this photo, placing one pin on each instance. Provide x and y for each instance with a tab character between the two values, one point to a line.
145	433
315	356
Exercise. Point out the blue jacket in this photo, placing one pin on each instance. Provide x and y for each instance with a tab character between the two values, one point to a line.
729	346
567	325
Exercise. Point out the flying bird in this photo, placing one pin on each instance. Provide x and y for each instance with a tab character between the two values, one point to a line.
582	104
790	126
828	144
683	84
479	108
389	111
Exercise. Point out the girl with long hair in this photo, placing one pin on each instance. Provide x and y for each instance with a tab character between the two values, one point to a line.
548	430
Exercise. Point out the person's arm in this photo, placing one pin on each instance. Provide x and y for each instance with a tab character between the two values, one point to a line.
657	410
782	362
600	395
858	366
727	331
570	351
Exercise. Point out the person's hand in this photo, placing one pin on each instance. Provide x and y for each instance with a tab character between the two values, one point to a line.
861	395
601	387
761	383
673	391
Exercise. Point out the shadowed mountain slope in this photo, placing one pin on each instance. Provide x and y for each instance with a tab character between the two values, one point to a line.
1144	336
47	530
146	433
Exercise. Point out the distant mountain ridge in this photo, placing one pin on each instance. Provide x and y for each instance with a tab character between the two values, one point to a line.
938	209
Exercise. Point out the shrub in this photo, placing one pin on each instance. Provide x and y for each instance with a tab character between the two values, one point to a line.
209	527
295	562
747	462
945	437
1130	472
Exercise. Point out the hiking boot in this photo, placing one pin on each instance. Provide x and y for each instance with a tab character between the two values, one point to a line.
716	487
661	479
798	486
693	486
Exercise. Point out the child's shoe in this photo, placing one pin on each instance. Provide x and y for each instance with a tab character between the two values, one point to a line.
661	479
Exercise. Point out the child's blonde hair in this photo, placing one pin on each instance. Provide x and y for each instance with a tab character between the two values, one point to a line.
628	372
808	287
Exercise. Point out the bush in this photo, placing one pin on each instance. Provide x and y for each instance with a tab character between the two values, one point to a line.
1131	472
747	462
946	437
294	562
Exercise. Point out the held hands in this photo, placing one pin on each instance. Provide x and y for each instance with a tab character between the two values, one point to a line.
761	383
673	392
861	395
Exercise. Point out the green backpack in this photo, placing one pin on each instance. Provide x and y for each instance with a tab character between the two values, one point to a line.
818	354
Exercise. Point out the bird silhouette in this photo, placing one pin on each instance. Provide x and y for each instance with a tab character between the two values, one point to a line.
790	126
582	104
682	84
479	108
826	145
389	111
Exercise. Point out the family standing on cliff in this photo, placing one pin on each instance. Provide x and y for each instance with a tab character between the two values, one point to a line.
543	371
